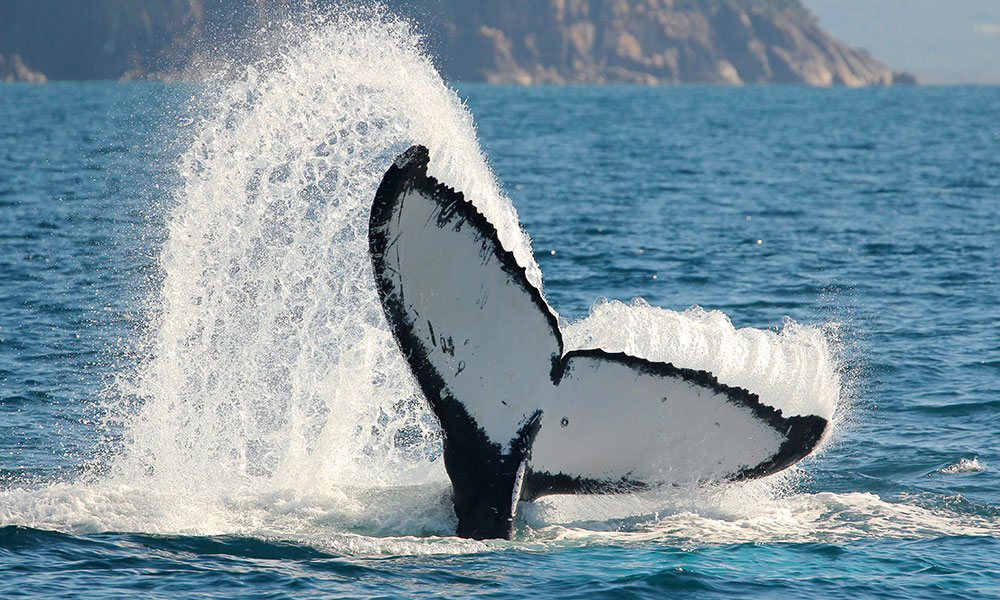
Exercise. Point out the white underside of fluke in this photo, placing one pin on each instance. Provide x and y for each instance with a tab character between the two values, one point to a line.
607	421
483	334
482	341
494	345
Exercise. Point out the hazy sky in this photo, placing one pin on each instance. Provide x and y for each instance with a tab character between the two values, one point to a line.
941	41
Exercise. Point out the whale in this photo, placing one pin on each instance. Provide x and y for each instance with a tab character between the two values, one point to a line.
522	416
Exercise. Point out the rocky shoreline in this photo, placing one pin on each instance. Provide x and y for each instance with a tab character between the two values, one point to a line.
652	41
502	41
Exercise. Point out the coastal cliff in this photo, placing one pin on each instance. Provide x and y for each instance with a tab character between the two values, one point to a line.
504	41
650	41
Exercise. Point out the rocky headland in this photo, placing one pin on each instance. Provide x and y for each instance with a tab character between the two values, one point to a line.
650	41
503	41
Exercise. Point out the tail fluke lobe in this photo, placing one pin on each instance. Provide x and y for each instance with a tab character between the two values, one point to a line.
479	338
625	423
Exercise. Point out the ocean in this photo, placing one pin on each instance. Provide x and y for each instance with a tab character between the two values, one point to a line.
199	396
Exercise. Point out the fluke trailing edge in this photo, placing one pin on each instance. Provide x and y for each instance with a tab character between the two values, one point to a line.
523	417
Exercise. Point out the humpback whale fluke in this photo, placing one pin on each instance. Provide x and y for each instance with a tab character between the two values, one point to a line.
522	417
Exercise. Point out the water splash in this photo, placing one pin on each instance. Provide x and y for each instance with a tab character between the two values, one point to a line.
271	367
793	370
748	514
965	465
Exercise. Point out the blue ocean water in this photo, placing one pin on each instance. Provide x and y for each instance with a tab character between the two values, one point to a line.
183	414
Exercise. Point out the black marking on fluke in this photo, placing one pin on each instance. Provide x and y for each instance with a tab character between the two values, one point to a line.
487	481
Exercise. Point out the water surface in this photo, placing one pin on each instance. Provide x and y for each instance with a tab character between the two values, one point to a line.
196	399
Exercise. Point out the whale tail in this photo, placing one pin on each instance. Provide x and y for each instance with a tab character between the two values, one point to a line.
522	417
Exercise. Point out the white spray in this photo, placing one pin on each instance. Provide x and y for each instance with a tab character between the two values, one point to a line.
271	366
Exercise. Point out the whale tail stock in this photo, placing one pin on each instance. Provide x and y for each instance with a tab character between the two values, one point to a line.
521	416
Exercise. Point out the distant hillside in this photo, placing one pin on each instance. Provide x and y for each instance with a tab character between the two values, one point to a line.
513	41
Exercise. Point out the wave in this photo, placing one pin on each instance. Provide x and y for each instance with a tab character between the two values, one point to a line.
685	519
965	465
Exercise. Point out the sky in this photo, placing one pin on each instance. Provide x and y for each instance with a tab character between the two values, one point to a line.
940	41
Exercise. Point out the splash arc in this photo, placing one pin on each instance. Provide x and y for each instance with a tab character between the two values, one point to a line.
522	416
